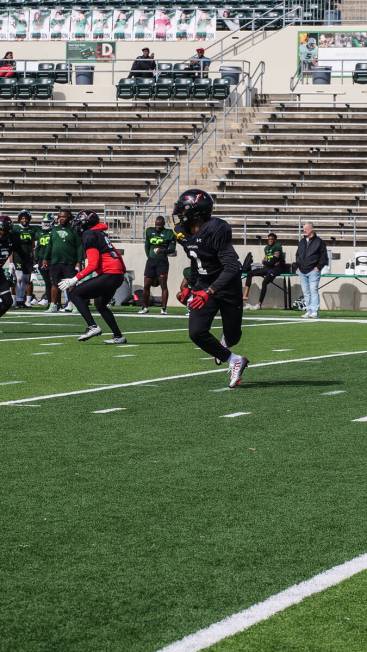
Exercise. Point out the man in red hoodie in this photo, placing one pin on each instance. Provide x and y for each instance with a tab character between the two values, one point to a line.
107	263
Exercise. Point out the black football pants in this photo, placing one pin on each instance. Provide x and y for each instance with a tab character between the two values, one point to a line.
229	304
45	273
268	275
101	289
6	300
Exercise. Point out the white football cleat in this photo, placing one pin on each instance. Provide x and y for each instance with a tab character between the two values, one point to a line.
236	370
91	331
116	340
143	311
43	302
305	316
164	311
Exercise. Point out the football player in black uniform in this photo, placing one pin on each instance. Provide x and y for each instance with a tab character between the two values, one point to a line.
9	244
215	279
107	263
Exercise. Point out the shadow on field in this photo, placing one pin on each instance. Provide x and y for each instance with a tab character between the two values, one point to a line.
289	383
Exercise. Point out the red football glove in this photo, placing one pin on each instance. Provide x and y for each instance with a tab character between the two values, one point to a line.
183	296
200	298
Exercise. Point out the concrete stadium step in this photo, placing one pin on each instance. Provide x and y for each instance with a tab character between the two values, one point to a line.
82	139
253	182
293	173
73	185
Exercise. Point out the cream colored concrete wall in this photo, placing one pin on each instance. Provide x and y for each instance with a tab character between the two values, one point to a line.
341	294
278	50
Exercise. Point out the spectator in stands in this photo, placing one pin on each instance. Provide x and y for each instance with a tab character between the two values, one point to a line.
7	65
143	66
311	257
200	63
273	265
63	256
159	244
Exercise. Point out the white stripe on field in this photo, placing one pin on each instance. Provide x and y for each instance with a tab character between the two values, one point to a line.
361	419
52	344
42	353
108	410
234	414
242	620
126	355
335	392
12	382
136	383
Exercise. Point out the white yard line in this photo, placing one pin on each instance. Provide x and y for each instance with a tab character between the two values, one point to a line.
361	419
283	350
137	383
117	409
42	353
335	392
12	382
232	415
242	620
126	355
52	344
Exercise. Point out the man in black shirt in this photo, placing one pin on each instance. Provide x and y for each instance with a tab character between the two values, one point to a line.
311	257
143	66
215	279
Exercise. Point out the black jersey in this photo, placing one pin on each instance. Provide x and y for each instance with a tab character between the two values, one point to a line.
8	245
214	261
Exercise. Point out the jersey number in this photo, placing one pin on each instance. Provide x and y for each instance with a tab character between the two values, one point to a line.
201	269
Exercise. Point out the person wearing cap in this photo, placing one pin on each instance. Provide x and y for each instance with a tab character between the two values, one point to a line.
143	66
199	62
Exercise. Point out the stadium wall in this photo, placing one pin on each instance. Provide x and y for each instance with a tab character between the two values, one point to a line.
341	294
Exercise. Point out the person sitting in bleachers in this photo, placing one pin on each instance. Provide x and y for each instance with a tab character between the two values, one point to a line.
7	65
143	66
200	63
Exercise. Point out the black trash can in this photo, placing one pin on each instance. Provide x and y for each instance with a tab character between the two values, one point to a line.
232	73
321	75
84	75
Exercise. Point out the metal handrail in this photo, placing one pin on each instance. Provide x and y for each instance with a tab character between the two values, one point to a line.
251	34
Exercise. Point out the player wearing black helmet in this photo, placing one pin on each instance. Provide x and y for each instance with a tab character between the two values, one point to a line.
9	244
43	240
215	279
106	262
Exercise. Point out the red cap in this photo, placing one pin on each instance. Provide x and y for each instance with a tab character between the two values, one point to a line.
200	50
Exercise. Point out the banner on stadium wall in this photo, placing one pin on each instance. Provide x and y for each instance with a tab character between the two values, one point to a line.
90	51
100	24
341	49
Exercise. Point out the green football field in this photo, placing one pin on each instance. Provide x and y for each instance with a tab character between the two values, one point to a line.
142	500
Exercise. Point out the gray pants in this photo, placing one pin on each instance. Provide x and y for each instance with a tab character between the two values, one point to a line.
22	282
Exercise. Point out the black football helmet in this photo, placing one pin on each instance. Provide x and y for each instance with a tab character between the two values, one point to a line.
25	214
5	225
85	220
193	205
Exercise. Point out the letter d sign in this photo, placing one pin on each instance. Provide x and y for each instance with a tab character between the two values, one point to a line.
107	50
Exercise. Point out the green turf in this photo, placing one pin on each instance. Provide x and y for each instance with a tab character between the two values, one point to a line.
129	530
333	621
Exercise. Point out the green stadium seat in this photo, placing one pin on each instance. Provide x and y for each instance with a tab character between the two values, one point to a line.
25	89
164	88
44	88
164	70
46	70
220	89
125	89
181	70
63	73
144	87
202	88
360	73
182	88
7	88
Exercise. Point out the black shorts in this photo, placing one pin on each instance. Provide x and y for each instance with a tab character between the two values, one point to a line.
26	266
156	267
58	271
4	283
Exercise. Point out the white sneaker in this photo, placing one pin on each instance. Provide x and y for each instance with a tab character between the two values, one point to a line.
43	302
34	302
91	331
52	308
257	306
223	343
75	310
116	340
247	306
143	311
236	370
313	315
305	316
68	308
164	311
